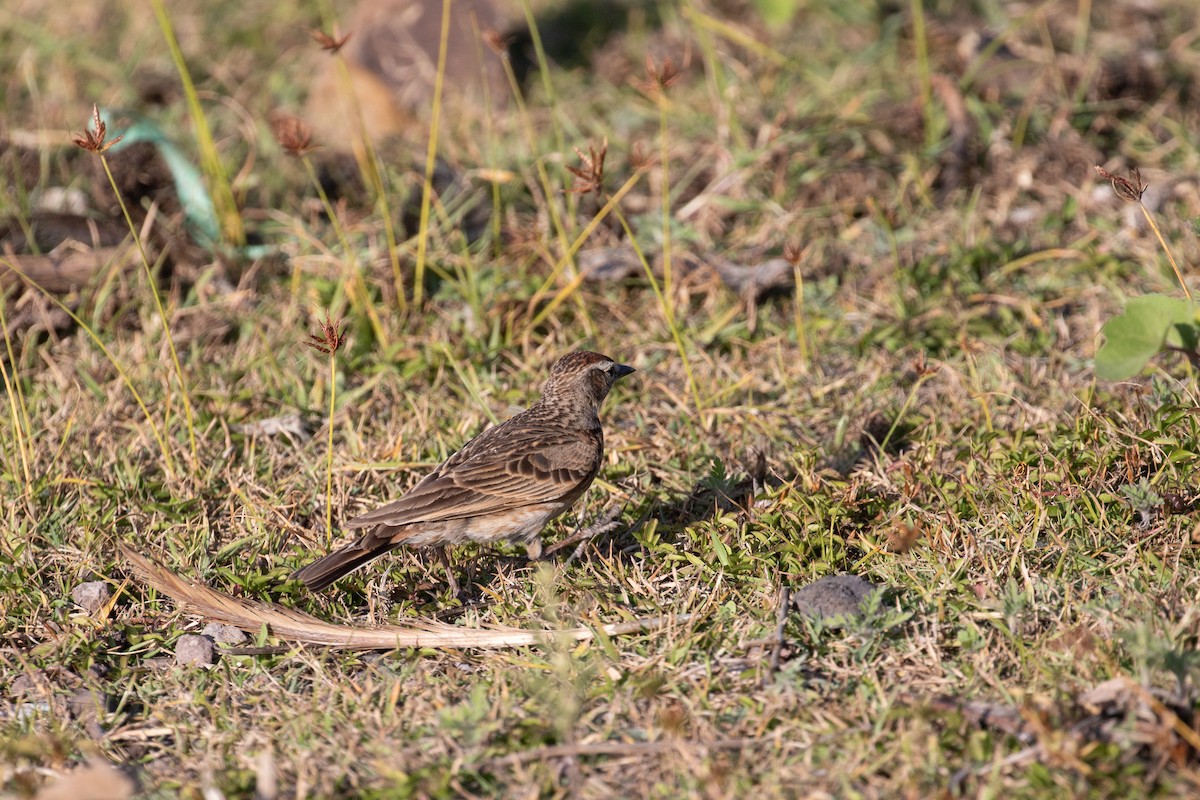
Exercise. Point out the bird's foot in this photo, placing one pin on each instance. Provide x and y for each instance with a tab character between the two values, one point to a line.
533	549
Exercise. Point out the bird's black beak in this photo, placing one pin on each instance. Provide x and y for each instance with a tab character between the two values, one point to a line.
621	370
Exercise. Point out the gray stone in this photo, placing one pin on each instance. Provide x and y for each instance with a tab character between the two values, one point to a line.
87	707
224	634
833	596
91	596
194	650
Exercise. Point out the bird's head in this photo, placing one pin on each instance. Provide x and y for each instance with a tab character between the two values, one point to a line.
582	376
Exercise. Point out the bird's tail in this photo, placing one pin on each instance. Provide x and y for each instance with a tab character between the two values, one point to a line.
340	563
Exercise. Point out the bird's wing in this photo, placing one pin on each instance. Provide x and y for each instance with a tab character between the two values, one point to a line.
497	473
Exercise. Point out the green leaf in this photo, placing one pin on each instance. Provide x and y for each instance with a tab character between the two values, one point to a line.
1135	336
776	12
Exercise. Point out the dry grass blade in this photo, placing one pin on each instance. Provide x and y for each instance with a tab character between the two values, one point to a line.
297	626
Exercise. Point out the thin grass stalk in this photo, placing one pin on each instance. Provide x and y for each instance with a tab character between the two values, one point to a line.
908	401
577	279
664	160
981	395
798	317
707	22
1083	23
368	160
210	159
544	180
435	122
16	401
921	44
373	177
1163	243
162	314
329	452
718	82
489	137
358	287
544	73
668	314
168	461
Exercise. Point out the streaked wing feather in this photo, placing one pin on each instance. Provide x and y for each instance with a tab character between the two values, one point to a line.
485	477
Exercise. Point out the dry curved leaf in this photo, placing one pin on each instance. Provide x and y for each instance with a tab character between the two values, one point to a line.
297	626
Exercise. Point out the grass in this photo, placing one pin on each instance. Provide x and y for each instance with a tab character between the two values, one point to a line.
925	413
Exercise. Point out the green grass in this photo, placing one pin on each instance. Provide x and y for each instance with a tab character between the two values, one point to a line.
1034	527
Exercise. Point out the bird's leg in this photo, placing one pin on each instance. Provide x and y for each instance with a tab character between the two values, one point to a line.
444	557
533	549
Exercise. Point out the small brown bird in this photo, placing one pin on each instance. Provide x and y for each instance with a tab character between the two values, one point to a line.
506	483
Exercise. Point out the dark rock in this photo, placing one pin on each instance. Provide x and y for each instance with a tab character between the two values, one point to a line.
833	596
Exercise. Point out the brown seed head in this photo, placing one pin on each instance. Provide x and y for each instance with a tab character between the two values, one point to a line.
327	42
293	134
497	42
658	79
923	368
1129	191
639	159
903	536
329	337
793	253
591	177
93	140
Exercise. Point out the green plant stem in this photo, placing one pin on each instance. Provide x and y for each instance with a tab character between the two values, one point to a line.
664	160
222	191
1163	243
16	400
908	401
668	314
431	159
552	208
577	278
798	311
357	286
168	461
921	44
368	160
544	72
162	314
373	177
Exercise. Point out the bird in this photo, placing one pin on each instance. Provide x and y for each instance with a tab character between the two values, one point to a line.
507	483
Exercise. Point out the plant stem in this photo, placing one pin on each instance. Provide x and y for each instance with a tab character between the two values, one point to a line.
168	461
922	47
223	199
664	160
431	158
162	314
357	286
329	452
668	315
16	400
1167	250
908	401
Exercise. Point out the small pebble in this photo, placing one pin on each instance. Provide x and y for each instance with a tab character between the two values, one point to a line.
224	634
194	650
87	706
91	596
833	596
